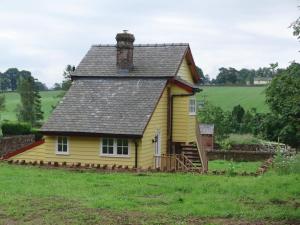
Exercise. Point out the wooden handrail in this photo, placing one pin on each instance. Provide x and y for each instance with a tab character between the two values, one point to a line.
201	151
181	163
186	159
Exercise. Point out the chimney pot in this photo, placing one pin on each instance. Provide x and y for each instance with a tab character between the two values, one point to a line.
125	51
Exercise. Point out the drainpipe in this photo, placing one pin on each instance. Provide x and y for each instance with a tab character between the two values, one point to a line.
136	154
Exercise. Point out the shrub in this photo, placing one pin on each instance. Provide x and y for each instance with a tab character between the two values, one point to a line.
226	144
37	134
9	128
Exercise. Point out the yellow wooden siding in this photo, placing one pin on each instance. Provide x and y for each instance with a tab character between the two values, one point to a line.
183	123
184	72
35	154
157	122
81	149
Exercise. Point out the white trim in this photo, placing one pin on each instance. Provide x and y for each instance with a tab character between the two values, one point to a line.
114	155
56	147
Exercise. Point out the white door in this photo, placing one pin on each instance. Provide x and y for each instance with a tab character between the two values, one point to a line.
157	150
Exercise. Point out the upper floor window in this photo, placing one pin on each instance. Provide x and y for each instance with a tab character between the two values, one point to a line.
192	105
115	147
62	145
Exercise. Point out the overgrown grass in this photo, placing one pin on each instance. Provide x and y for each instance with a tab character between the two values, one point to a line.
228	97
26	190
12	99
243	139
235	166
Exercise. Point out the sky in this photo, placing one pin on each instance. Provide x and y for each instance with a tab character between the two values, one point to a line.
44	36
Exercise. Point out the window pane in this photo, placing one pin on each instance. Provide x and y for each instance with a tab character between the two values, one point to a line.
125	151
59	147
65	148
111	142
104	141
59	140
119	151
65	140
125	142
104	150
119	142
111	150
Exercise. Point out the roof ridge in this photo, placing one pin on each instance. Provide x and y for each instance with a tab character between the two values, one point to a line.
145	45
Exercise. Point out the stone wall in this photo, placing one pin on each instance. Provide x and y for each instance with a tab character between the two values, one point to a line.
12	143
239	155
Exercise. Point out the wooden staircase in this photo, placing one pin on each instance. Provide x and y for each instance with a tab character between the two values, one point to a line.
195	153
190	152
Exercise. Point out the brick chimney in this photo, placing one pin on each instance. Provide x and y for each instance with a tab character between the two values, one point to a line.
125	51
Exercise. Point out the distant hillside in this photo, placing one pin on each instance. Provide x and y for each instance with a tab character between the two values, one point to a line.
227	97
12	99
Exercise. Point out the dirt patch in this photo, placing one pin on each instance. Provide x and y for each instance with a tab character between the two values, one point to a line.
61	211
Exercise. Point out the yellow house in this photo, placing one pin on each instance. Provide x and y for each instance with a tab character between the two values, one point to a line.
128	105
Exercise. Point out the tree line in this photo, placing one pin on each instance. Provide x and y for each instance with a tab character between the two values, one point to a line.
9	80
232	76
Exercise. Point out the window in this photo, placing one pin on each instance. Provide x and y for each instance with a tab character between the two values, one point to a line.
115	147
108	146
122	147
62	145
192	106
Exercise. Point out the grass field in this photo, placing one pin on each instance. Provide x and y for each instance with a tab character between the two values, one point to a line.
236	166
30	195
228	97
12	99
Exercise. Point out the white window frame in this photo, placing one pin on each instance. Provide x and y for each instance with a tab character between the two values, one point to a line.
61	152
194	112
115	148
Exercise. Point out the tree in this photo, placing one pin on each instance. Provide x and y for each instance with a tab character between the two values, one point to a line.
283	98
237	116
215	115
296	27
2	102
13	75
30	108
39	114
57	87
66	84
4	82
40	86
227	76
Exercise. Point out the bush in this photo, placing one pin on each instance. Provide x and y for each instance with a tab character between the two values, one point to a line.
37	134
9	128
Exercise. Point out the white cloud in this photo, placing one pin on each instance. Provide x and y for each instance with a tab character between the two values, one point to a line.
44	36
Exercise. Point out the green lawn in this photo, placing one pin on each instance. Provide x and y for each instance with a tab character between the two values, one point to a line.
30	195
12	99
228	97
236	166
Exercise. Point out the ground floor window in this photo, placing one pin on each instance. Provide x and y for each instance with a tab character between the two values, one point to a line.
115	147
62	145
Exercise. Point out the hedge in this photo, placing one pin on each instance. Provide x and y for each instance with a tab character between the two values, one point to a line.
10	128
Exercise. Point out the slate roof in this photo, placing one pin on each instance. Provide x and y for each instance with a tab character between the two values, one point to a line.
120	106
206	128
152	60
